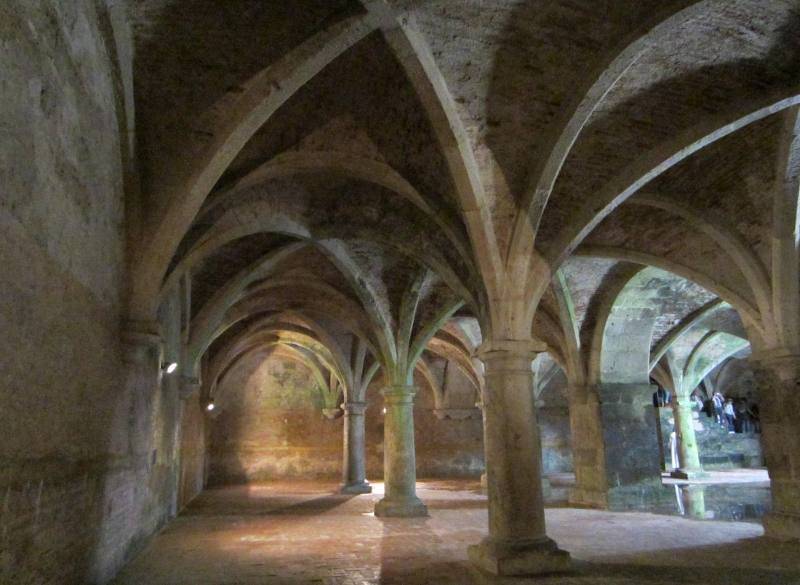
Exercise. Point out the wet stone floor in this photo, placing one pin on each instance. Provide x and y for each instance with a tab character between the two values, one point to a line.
304	533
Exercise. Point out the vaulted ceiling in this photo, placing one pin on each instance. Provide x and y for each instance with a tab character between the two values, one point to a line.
323	156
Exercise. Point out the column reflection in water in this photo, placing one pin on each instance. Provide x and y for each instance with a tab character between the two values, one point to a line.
691	501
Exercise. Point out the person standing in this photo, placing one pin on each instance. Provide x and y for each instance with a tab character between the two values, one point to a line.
730	416
743	424
661	398
718	401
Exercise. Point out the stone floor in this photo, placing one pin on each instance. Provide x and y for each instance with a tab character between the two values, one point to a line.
303	533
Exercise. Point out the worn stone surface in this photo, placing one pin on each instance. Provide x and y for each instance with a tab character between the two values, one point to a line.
88	460
268	424
290	533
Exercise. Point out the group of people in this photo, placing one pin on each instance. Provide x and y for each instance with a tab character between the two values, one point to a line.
737	415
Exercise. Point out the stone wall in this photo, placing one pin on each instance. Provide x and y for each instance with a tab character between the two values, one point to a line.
556	444
87	458
269	423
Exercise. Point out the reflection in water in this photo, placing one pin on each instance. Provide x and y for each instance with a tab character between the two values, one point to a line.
732	502
718	502
691	501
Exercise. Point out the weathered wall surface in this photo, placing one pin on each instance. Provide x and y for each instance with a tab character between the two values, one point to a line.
86	460
734	378
270	424
450	447
555	433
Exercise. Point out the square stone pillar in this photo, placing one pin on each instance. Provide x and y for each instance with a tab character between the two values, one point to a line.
588	452
778	379
615	446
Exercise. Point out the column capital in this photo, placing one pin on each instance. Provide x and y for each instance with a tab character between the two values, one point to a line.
680	402
456	413
141	339
506	347
397	394
354	408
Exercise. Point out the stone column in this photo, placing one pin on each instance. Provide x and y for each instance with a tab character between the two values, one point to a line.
479	406
355	469
778	379
517	543
688	454
399	458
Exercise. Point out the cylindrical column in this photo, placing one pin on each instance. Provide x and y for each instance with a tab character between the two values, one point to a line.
399	458
517	543
688	453
778	379
484	483
354	464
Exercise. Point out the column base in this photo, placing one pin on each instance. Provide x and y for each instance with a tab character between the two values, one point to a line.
782	526
688	474
362	487
401	508
519	559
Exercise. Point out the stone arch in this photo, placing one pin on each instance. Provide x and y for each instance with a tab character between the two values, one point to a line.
194	179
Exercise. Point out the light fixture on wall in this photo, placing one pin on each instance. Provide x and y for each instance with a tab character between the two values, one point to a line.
210	406
170	367
384	410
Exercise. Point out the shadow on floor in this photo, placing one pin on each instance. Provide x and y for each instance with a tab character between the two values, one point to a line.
274	505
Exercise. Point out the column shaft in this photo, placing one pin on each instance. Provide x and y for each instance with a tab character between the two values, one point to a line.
778	380
399	457
517	543
688	453
354	464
